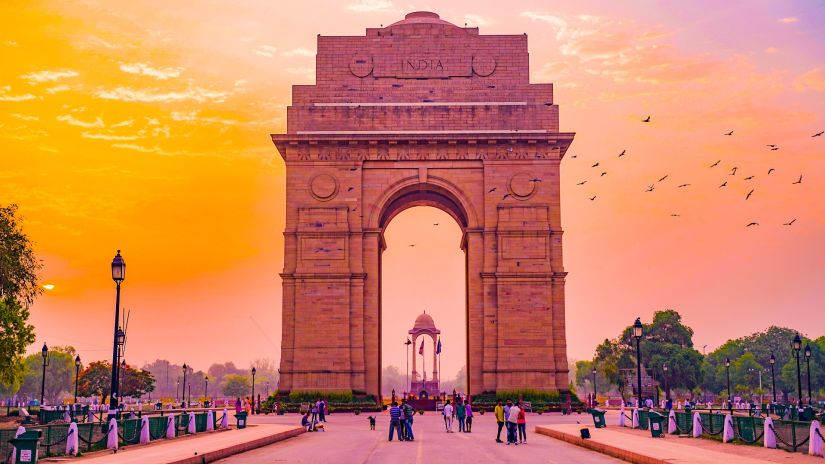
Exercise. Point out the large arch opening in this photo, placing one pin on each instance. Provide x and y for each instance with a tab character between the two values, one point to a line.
423	268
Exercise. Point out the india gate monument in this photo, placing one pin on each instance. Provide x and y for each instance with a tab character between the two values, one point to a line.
423	113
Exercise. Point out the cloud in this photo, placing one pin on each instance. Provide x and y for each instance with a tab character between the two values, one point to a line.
265	50
474	20
107	136
369	6
48	76
129	146
811	80
24	117
147	70
788	20
4	95
125	123
57	89
299	52
194	117
72	121
197	94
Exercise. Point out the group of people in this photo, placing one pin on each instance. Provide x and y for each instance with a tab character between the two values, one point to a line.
513	417
461	411
243	406
401	420
318	410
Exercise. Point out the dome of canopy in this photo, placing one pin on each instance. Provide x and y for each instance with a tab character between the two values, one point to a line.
424	321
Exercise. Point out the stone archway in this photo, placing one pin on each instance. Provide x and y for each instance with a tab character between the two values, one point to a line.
423	112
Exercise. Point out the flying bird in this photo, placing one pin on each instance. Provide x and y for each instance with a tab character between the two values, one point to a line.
412	245
729	133
683	185
790	223
752	224
724	184
582	182
603	174
748	178
771	170
622	153
350	189
505	196
799	181
535	180
595	165
575	156
818	134
715	164
663	178
491	190
353	168
649	188
593	198
647	119
675	215
435	223
774	148
749	194
733	171
771	145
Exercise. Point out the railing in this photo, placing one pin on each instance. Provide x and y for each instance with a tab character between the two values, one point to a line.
93	436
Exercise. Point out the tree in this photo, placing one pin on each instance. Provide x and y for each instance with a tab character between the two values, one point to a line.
135	382
96	380
393	379
217	374
267	371
18	289
59	374
236	385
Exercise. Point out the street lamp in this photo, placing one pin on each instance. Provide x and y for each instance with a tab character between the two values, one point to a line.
727	370
593	371
797	345
773	379
177	390
76	375
118	275
183	390
205	386
120	375
667	390
808	363
637	333
254	371
408	343
45	353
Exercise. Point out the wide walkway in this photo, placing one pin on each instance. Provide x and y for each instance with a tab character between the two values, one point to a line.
348	439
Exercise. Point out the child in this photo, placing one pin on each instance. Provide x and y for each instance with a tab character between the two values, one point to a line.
372	422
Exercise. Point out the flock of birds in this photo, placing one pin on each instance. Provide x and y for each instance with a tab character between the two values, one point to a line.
652	187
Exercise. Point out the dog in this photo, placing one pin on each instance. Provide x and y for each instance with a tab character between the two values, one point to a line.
372	422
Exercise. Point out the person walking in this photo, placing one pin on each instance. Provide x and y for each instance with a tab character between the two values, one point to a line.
521	423
395	421
469	425
461	414
448	416
512	421
313	407
321	410
238	405
402	422
499	413
409	414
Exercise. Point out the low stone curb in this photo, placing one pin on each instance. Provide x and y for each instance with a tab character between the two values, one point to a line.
217	455
609	450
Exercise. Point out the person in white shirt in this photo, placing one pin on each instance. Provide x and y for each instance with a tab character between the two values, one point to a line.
512	420
448	417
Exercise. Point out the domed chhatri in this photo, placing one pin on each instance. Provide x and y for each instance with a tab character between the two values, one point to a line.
424	321
420	386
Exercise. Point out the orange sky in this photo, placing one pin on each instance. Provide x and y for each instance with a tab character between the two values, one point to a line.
144	126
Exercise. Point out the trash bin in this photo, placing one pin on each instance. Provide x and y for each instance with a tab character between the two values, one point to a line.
657	423
598	418
241	418
26	445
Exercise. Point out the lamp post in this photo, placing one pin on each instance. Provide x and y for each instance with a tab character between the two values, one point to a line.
205	386
45	353
183	390
808	363
254	371
121	369
727	371
118	275
797	345
637	333
177	390
667	389
593	371
773	379
76	375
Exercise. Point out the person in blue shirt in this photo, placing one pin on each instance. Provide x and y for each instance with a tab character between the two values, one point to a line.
395	420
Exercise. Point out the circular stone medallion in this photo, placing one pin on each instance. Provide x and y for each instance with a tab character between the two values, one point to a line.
323	187
522	186
484	65
360	65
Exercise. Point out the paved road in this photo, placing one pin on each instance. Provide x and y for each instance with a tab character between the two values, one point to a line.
349	440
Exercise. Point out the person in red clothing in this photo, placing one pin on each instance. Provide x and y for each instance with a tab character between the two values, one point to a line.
521	422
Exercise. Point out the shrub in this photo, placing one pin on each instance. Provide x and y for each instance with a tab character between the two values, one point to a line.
331	397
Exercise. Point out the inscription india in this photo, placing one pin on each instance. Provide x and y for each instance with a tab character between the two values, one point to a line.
435	66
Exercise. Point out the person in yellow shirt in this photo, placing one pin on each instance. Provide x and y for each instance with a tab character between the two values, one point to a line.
499	412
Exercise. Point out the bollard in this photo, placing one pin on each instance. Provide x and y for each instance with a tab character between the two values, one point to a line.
111	437
697	425
727	432
770	437
72	440
815	440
